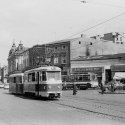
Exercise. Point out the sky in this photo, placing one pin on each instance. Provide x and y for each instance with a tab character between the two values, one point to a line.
41	21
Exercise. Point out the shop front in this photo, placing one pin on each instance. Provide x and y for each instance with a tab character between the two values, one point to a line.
117	69
84	70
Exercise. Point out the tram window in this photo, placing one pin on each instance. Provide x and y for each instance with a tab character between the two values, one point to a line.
14	80
54	75
20	79
43	76
25	78
72	78
86	77
29	77
80	78
33	76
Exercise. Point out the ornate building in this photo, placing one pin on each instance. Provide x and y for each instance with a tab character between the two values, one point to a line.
15	59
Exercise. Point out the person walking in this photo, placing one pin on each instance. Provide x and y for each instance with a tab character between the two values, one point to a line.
102	88
74	89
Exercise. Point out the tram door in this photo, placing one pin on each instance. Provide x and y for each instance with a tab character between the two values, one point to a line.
37	85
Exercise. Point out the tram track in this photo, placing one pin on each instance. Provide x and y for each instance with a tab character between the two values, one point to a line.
114	103
102	104
92	108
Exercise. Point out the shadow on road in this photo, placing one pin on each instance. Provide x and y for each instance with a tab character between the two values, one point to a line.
32	97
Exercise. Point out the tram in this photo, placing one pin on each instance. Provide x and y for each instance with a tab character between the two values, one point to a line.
16	83
82	81
44	81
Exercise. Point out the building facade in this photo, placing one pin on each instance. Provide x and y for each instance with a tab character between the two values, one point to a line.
58	54
4	74
104	66
62	53
15	59
36	56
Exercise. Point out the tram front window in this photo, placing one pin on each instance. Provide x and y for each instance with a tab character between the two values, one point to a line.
53	75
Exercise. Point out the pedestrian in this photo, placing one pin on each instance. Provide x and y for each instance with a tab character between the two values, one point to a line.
112	86
102	88
74	89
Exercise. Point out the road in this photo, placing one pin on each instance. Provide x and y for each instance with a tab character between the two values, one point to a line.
87	107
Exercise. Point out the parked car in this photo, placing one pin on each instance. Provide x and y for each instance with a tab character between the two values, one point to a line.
118	83
1	85
94	84
6	85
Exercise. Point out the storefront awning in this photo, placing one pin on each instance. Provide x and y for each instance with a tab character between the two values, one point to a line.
119	75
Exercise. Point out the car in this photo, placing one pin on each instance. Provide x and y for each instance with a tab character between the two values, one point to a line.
6	85
115	84
94	84
1	85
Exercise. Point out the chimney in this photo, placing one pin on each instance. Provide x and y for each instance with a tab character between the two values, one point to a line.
83	35
98	37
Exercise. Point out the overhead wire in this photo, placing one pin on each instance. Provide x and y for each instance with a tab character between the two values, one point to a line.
97	25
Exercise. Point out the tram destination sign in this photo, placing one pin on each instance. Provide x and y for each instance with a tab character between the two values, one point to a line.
87	69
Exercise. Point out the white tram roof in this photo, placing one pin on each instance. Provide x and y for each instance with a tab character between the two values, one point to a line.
16	74
45	68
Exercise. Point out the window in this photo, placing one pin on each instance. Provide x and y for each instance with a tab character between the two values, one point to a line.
48	59
43	76
120	38
14	79
86	77
64	59
31	77
55	60
63	47
79	78
56	47
53	75
48	49
19	79
25	77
